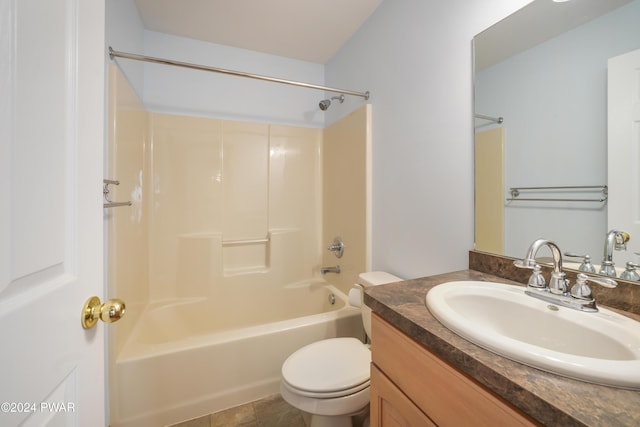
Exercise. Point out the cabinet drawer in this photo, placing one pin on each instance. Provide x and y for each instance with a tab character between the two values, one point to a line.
446	395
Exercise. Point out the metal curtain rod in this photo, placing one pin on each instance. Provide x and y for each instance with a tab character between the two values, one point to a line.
135	57
492	119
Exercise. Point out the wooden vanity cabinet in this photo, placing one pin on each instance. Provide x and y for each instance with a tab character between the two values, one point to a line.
410	387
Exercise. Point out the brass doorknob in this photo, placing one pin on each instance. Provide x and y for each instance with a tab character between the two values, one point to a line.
111	311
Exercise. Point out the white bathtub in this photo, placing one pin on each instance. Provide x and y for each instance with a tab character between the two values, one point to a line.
191	357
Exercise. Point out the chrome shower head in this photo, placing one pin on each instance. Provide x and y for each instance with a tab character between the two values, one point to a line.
325	103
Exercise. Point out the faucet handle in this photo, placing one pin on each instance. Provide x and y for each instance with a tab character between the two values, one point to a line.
621	240
586	265
602	281
630	273
337	247
574	255
583	291
536	280
525	263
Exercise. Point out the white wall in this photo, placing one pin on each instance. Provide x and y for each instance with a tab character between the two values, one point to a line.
124	32
184	91
415	58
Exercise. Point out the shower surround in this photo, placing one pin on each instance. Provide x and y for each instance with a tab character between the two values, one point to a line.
221	192
221	252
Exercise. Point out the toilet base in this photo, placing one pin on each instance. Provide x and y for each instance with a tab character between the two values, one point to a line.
330	421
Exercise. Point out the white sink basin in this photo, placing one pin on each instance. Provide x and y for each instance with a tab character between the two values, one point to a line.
602	347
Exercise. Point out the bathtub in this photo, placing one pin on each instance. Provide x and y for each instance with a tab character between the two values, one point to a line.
190	357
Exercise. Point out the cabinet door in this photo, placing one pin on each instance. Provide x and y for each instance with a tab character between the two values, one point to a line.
390	407
448	396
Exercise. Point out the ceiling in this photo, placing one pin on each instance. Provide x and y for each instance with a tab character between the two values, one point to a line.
522	30
308	30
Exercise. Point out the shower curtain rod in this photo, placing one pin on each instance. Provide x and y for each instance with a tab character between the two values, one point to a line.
135	57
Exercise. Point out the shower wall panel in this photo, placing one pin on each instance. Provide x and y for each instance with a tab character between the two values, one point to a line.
246	181
227	199
346	174
245	223
186	192
295	200
126	227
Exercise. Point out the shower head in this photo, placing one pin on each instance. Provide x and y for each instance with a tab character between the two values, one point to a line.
325	103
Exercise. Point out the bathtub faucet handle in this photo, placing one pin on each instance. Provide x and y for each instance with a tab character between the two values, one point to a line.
337	247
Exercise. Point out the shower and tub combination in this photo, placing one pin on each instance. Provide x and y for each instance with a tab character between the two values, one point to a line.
219	255
189	358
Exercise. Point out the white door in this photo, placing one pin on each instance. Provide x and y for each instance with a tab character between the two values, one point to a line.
623	157
51	141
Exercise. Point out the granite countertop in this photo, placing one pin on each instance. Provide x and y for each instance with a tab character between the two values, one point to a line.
548	398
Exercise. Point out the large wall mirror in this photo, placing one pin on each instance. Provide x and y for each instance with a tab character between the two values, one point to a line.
544	165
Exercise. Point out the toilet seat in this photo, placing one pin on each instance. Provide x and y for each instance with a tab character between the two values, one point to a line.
329	368
326	395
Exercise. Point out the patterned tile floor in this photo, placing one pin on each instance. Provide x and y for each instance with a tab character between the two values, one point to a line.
272	411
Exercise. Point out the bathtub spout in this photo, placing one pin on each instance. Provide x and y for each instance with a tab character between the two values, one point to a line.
325	270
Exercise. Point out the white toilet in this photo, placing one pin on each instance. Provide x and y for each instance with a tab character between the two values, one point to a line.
329	379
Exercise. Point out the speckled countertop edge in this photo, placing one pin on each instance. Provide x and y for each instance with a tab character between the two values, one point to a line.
550	399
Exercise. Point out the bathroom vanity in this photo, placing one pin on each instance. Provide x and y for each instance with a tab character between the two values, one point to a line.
412	386
425	374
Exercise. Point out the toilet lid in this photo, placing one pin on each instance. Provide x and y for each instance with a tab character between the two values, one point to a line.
328	366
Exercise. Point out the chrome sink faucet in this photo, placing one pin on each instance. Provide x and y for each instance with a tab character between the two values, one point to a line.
578	298
558	284
615	240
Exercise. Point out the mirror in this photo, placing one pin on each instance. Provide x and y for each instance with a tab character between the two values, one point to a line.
543	71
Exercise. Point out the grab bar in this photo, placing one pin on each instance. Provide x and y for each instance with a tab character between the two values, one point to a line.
515	193
105	192
244	241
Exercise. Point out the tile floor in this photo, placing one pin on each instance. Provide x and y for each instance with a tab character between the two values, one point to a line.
272	411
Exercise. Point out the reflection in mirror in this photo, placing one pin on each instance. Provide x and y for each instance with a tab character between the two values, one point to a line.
544	70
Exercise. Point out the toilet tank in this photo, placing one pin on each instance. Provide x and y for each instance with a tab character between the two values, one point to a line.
367	280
